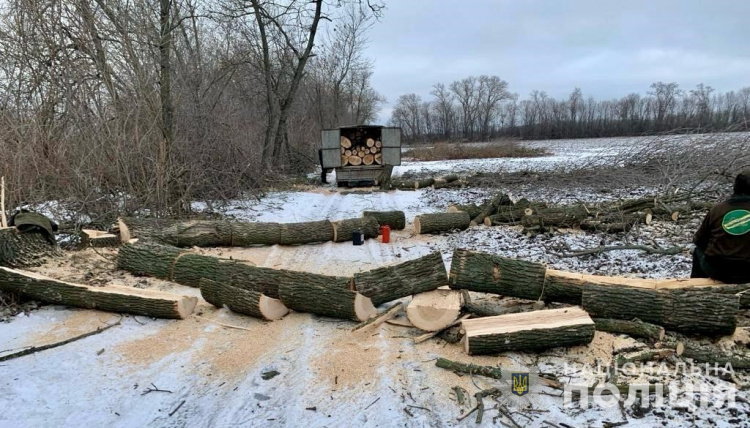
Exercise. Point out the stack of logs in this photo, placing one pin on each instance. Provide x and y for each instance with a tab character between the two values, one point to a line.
361	151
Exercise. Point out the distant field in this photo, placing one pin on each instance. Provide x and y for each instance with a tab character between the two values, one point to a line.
450	151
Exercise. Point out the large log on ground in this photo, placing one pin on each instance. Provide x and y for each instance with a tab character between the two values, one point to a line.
24	249
186	268
528	331
558	217
327	296
343	229
512	214
307	232
242	301
98	239
404	279
396	220
421	184
713	354
441	222
488	273
110	298
199	233
434	310
635	328
680	310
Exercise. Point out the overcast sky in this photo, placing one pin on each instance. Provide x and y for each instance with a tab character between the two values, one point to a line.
607	48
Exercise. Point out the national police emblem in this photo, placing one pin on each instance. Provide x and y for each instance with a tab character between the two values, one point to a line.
520	384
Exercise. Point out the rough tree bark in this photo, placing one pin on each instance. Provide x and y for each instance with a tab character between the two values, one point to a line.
489	273
441	222
328	296
242	301
110	298
396	220
404	279
24	249
680	310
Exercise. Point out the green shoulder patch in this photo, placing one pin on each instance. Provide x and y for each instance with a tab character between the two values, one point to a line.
736	222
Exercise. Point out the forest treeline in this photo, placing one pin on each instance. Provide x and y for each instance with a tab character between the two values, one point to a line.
148	105
482	108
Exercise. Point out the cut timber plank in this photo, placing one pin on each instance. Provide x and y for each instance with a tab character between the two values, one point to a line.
246	302
110	298
434	310
528	331
98	239
488	273
404	279
688	311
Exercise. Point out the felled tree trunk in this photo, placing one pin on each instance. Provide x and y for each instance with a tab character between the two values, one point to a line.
507	214
242	301
441	222
98	239
434	310
186	268
421	184
329	296
111	298
343	229
680	310
223	233
307	233
652	332
396	220
404	279
708	353
557	217
24	249
528	331
488	273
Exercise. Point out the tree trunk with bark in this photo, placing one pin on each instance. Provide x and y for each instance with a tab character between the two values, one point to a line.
680	310
404	279
111	298
488	273
441	222
396	220
242	301
24	249
343	229
332	297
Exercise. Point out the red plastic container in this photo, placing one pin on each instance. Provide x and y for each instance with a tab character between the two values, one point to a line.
385	234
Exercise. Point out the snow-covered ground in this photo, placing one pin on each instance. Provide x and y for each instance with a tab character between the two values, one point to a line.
328	376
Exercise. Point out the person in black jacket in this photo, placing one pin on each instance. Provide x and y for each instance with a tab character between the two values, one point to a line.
722	244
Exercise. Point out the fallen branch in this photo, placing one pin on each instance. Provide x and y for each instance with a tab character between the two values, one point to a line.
487	371
35	349
380	319
222	324
650	250
422	338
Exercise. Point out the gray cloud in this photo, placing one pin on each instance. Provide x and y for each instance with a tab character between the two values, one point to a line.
607	48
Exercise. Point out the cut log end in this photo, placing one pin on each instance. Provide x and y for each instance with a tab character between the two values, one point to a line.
186	306
417	226
272	309
363	308
487	221
434	310
124	231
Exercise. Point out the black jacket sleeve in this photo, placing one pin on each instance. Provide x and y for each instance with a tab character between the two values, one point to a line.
703	235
